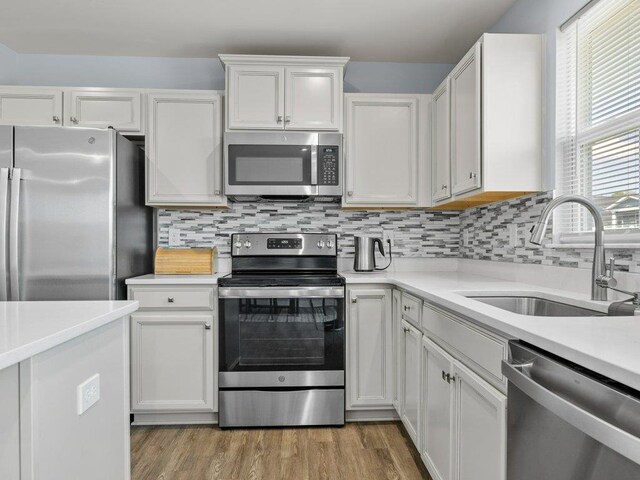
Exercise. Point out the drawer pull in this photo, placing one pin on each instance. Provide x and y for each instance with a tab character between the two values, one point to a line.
207	326
170	300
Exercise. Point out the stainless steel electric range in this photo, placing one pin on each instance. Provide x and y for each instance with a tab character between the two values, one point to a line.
282	336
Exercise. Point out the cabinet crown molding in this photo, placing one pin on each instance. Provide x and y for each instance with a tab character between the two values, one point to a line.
286	60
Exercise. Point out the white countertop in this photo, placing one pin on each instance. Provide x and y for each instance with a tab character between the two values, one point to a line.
29	328
607	345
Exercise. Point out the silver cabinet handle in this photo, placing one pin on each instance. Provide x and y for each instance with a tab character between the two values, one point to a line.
406	308
14	234
472	175
287	119
350	193
207	326
279	119
74	119
354	300
170	299
56	119
444	187
216	192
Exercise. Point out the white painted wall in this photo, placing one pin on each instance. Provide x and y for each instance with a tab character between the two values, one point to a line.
193	73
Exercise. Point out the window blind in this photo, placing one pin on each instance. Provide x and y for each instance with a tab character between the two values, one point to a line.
599	118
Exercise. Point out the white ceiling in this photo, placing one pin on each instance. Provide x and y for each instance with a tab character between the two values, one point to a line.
432	31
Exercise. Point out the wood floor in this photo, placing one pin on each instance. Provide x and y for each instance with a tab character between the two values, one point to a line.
358	451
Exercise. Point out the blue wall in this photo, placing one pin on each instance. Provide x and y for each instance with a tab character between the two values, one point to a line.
193	73
542	16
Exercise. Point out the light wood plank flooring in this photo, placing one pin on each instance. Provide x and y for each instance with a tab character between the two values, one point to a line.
359	451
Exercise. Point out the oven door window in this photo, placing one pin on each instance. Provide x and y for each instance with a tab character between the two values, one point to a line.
258	334
269	164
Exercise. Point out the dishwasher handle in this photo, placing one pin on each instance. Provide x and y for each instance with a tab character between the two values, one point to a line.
606	433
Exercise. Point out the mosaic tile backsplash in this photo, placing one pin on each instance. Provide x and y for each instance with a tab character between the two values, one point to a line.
486	237
416	233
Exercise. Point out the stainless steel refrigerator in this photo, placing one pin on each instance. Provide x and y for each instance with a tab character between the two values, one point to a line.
73	223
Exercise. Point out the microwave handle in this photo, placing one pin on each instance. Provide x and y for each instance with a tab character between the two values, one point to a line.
314	165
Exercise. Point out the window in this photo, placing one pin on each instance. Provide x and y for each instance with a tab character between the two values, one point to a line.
599	120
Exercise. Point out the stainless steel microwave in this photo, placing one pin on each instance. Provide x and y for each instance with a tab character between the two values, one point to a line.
282	164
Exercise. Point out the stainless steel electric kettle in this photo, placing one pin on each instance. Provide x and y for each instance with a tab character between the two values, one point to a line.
365	260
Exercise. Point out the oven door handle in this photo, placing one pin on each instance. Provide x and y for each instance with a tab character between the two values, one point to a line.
610	435
281	292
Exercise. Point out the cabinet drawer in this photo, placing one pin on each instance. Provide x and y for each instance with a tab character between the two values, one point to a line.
480	350
173	298
411	309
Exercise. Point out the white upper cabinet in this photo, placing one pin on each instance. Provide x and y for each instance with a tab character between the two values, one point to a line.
386	140
441	141
255	97
101	108
184	166
370	378
313	99
30	106
465	120
283	92
495	120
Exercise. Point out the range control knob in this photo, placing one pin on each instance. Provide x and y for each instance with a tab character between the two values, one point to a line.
320	244
329	244
247	244
238	244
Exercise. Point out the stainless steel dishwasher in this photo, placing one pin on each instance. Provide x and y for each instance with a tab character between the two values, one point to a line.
567	423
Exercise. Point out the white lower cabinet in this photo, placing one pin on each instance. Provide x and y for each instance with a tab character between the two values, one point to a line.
437	411
173	362
463	420
173	355
480	428
369	348
410	399
397	348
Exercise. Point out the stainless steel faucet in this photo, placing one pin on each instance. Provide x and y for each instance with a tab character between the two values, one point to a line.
598	269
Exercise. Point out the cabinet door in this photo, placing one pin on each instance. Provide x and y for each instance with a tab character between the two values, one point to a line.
466	127
481	428
9	423
255	97
441	138
382	150
172	363
437	409
313	98
412	340
370	369
30	107
121	110
184	150
398	338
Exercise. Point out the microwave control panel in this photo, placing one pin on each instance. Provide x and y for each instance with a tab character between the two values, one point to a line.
328	165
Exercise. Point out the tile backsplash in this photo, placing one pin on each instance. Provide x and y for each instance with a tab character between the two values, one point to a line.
486	236
416	233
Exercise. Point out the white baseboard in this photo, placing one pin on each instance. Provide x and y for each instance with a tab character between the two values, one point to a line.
371	415
199	418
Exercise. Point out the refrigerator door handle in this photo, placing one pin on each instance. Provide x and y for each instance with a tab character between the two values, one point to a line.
4	191
13	234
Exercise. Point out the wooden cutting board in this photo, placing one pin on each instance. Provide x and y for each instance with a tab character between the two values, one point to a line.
185	261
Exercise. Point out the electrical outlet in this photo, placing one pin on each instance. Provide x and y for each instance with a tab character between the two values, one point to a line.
88	393
387	235
174	237
513	235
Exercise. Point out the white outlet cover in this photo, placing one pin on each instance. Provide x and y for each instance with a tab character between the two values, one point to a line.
88	393
174	237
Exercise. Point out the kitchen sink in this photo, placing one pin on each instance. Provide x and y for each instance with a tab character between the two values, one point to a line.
541	307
